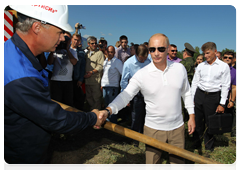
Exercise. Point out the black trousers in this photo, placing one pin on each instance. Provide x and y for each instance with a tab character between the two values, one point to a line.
138	113
78	96
62	91
205	105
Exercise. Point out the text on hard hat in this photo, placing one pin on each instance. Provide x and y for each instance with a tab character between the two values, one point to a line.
48	8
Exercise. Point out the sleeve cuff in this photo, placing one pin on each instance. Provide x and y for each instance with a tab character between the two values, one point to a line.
190	111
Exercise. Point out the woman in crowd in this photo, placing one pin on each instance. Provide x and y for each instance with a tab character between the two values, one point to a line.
199	59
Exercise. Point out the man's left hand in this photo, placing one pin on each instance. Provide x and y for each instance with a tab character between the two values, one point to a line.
230	104
88	74
79	83
191	124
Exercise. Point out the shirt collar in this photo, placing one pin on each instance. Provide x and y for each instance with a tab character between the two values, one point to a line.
123	49
153	68
26	51
175	58
114	58
120	47
217	61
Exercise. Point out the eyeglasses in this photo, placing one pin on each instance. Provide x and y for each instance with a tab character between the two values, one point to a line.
93	43
228	57
174	51
160	49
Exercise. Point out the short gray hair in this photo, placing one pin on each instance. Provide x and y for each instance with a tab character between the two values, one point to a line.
209	46
91	38
25	23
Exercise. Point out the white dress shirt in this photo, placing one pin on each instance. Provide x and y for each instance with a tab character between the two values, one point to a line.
112	70
162	91
212	78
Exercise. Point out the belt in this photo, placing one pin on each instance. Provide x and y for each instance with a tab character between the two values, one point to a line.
208	93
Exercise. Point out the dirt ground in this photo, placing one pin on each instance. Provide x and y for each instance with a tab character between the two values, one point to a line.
102	149
84	146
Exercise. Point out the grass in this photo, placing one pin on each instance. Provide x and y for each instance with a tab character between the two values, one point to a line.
105	147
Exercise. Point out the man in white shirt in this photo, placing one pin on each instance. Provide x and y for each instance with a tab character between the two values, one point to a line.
210	87
112	71
160	81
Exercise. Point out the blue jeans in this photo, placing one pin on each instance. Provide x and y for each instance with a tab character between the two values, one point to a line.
109	94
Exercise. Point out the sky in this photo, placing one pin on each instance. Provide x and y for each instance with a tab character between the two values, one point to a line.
195	24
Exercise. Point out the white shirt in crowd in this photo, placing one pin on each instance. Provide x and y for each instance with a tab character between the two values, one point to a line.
212	78
112	71
162	91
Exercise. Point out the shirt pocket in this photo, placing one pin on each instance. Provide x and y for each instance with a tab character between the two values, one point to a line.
111	70
217	75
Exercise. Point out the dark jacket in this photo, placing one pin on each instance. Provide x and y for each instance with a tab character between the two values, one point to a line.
29	114
79	68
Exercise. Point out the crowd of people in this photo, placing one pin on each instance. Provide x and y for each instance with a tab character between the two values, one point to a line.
156	91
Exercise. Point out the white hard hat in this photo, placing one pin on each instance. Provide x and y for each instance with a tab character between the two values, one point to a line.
56	15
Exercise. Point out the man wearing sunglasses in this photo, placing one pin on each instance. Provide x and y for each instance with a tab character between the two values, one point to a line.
172	54
210	88
228	58
160	81
94	69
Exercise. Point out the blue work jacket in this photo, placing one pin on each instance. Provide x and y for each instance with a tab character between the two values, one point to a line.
30	116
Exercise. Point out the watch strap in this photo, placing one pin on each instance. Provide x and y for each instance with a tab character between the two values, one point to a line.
109	113
222	105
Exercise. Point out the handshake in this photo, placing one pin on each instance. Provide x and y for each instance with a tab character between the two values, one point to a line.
102	115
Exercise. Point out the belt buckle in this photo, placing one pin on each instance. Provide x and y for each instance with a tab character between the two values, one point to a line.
206	93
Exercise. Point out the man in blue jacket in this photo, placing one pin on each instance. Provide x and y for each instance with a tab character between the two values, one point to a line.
30	116
78	71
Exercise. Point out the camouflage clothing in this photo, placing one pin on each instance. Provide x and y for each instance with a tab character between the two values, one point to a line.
189	65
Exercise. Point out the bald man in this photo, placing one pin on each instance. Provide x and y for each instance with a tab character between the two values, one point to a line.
112	71
160	81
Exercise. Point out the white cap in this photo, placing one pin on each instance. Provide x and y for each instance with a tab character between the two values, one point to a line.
56	15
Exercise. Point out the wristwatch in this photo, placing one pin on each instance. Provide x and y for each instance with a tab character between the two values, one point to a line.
109	113
233	102
222	105
92	72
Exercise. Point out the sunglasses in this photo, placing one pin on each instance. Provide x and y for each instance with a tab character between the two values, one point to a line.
93	43
160	49
228	57
174	51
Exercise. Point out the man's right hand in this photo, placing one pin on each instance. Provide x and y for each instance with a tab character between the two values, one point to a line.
101	117
220	109
88	74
